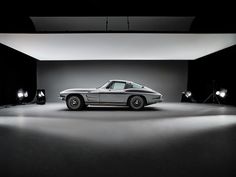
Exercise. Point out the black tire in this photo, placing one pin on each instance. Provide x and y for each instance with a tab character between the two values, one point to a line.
136	103
75	103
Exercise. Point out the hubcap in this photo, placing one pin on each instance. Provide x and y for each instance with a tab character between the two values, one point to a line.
74	102
137	103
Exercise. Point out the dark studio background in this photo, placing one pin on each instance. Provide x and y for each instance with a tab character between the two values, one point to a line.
219	68
17	71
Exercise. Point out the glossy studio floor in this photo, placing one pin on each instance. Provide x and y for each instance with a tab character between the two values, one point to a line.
165	139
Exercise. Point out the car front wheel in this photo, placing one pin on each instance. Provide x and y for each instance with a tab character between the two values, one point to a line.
136	103
74	103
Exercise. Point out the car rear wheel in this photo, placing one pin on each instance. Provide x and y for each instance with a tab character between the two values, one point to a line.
136	102
74	103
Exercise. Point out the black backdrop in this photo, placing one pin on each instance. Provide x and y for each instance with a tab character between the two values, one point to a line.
218	67
17	71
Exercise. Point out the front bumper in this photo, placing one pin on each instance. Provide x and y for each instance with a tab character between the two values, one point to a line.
62	97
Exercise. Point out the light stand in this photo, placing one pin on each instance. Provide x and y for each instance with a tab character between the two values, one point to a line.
212	95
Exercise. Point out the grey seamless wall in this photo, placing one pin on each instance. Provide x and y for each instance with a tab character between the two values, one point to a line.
167	77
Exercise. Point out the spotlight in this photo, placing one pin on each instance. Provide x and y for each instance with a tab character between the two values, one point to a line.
216	94
221	93
26	94
213	95
20	94
40	96
187	96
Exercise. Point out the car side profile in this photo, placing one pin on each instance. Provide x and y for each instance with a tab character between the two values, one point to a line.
113	92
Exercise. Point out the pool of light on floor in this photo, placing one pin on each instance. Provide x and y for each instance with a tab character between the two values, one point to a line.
122	133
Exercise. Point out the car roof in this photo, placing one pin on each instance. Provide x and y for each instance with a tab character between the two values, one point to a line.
126	81
119	80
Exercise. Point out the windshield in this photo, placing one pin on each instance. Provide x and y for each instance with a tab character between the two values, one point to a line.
104	85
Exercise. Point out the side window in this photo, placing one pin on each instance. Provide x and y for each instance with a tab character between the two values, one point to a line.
135	85
128	85
117	85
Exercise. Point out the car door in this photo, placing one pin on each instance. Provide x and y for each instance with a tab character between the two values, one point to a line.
113	93
93	96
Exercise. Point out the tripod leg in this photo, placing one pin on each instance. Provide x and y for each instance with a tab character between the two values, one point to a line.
217	100
208	98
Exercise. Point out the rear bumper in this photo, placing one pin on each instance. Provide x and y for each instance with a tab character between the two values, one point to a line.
152	99
155	101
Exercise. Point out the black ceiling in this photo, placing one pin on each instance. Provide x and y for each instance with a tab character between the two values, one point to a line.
200	24
117	7
210	17
112	24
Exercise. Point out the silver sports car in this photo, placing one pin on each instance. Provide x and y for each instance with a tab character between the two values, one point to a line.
113	92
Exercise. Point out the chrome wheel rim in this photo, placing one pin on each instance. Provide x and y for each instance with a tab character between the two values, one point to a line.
74	102
137	102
